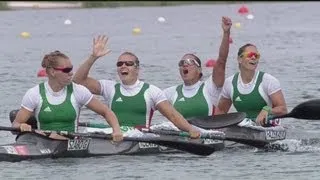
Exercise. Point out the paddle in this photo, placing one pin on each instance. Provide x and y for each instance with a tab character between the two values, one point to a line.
214	136
215	122
218	121
169	141
309	110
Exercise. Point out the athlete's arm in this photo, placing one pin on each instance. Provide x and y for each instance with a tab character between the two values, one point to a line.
279	106
98	107
166	109
223	106
81	76
21	118
218	74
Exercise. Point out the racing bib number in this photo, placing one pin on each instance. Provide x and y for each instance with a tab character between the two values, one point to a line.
143	145
209	141
275	135
78	144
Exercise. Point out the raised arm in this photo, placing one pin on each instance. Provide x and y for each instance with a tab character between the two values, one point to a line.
218	74
81	75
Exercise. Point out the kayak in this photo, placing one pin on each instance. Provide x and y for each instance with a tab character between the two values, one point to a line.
35	146
256	136
234	136
30	146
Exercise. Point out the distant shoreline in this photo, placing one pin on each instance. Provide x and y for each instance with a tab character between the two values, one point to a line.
23	5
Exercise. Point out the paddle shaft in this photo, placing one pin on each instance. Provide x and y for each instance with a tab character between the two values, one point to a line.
213	136
183	145
280	116
254	143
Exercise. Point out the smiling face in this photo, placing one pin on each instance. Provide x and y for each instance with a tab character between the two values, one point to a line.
249	58
128	68
190	70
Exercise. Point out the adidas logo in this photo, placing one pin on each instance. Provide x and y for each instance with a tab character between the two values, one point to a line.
238	99
47	109
119	99
182	99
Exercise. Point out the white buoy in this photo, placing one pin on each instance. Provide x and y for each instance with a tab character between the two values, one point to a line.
250	16
161	19
67	22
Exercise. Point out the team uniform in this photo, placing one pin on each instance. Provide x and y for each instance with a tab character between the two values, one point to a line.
199	99
252	97
56	110
133	104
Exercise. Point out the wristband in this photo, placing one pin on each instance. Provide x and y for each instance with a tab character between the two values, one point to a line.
268	109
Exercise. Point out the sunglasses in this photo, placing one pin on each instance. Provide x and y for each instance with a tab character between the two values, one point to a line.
250	55
188	62
127	63
64	70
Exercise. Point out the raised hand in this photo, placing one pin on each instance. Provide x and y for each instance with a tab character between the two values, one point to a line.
226	23
100	47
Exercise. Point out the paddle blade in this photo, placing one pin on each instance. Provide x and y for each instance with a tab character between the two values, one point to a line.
218	121
307	110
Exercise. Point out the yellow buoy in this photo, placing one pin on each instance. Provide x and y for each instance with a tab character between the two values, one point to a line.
136	30
25	35
238	25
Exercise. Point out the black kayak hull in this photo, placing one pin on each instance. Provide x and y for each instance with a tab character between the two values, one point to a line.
30	146
255	136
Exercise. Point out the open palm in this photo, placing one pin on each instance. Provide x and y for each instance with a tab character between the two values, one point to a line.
100	46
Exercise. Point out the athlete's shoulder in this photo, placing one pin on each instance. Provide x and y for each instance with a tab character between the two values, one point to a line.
107	82
34	89
269	77
171	88
229	79
79	87
154	87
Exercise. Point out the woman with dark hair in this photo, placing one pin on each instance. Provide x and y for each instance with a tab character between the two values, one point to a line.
254	92
56	103
196	97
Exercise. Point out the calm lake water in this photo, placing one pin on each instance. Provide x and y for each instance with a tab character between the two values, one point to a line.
286	34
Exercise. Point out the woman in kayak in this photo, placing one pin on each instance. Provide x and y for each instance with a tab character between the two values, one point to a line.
56	103
196	97
132	100
254	92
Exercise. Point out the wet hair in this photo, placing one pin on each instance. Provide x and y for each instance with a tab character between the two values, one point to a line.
50	60
133	55
242	48
197	59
